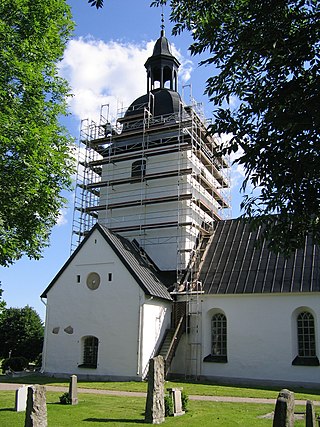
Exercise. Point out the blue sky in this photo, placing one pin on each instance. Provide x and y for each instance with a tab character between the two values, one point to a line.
104	64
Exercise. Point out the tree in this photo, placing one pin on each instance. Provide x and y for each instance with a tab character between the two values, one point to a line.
21	333
36	161
2	302
266	56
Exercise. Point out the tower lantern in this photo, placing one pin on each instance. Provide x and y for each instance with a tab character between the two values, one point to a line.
162	67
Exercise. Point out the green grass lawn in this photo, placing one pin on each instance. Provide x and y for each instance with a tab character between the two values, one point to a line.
191	388
129	412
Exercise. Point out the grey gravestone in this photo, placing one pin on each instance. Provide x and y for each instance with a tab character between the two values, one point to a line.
21	398
284	411
36	412
155	411
73	390
175	394
310	415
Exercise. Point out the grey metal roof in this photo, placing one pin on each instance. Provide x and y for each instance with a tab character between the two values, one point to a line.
140	267
234	264
162	50
162	47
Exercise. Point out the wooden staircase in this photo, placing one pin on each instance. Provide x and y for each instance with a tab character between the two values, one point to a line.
173	335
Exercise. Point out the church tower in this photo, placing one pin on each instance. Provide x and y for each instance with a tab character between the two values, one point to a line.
153	176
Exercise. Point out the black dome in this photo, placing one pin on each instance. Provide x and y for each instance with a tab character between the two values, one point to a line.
166	101
162	47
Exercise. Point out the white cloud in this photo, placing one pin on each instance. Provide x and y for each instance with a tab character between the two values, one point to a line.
186	65
103	73
62	218
111	73
238	172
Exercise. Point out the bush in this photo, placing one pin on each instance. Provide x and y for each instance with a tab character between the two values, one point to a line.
38	361
168	405
65	399
14	363
184	401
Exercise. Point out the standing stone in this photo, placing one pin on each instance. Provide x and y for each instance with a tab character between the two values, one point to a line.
284	411
73	390
175	394
310	415
155	410
21	399
36	412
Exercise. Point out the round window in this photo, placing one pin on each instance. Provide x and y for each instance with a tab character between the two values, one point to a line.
93	281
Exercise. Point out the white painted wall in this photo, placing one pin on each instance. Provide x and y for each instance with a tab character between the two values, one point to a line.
111	313
261	340
156	319
166	246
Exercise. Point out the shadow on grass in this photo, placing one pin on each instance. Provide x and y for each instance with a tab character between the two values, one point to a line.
7	410
275	388
113	420
33	378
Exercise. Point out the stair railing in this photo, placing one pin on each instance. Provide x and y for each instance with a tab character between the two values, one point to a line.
174	343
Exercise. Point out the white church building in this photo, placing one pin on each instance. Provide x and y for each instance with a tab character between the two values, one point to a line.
157	269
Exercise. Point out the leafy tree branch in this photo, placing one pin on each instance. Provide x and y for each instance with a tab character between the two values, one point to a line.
266	56
36	161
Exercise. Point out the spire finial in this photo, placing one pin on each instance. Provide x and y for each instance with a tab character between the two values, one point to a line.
162	23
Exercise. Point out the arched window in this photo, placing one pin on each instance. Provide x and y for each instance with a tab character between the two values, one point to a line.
306	339
218	339
138	169
306	335
219	335
90	352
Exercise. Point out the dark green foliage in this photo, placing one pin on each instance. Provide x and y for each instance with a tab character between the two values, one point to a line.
65	399
21	333
2	303
15	364
38	361
265	85
97	3
168	405
184	401
36	161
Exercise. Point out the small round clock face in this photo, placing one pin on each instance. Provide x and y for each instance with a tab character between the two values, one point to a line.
93	281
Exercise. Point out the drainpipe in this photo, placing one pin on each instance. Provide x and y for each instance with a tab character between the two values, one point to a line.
140	326
44	348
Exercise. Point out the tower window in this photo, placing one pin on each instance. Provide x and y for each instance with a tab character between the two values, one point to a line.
138	169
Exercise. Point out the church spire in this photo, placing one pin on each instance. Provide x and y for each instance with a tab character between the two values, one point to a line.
162	24
162	67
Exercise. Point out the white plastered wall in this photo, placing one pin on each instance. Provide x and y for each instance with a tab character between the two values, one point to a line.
112	313
156	319
162	245
261	338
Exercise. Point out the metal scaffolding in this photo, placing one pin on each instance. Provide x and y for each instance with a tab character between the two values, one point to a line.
180	189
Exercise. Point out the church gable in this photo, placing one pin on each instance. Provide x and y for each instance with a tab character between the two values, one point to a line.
92	252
